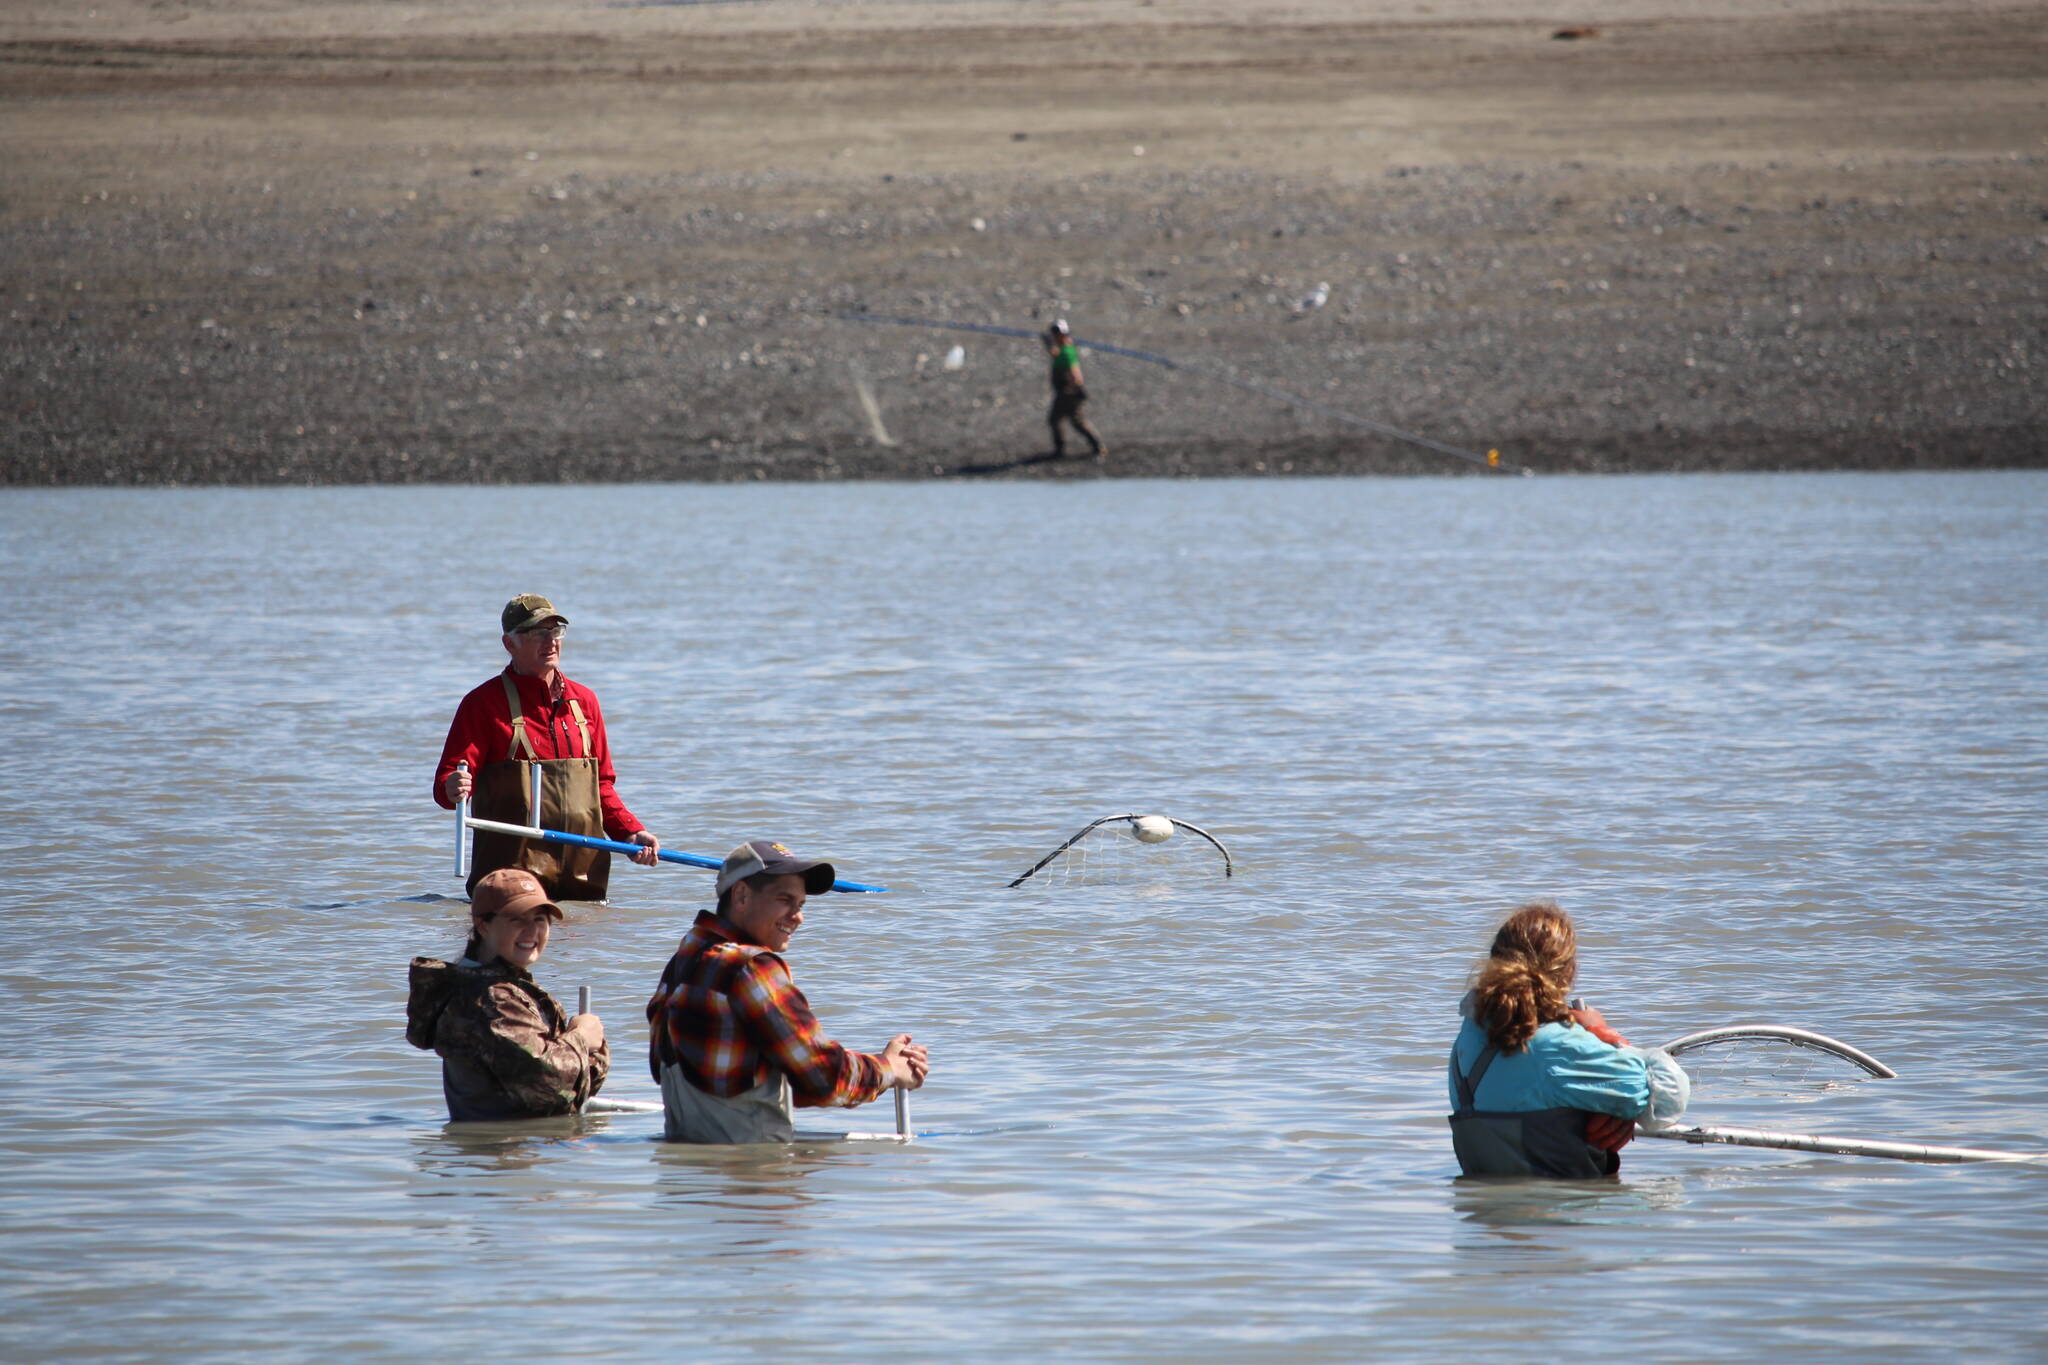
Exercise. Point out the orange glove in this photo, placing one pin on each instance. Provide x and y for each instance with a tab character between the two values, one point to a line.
1609	1133
1593	1022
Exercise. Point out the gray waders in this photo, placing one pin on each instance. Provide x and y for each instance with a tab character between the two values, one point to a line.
568	802
1546	1142
763	1114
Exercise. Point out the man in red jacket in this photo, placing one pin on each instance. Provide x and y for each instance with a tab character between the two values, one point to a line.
530	718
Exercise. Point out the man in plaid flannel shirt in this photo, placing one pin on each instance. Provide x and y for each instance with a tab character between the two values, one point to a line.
733	1039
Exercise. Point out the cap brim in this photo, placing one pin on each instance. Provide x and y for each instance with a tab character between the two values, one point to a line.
522	905
817	877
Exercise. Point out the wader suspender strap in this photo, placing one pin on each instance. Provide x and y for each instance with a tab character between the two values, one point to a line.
1468	1086
519	739
582	725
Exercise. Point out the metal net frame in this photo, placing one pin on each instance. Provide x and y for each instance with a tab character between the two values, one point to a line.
1108	852
1770	1061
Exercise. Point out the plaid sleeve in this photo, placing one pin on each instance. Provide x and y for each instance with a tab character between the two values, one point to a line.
778	1020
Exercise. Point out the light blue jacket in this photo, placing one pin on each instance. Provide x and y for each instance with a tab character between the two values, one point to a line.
1565	1067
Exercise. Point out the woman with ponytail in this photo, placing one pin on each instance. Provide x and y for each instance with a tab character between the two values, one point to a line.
1538	1087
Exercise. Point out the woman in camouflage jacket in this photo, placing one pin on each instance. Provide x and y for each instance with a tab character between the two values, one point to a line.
507	1049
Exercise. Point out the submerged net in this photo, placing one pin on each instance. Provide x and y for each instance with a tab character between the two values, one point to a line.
1770	1062
1109	852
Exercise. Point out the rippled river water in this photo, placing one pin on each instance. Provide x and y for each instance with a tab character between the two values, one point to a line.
1780	743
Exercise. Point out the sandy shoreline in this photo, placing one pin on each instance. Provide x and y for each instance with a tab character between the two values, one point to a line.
296	243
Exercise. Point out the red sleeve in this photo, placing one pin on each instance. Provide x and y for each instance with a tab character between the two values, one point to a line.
619	823
475	737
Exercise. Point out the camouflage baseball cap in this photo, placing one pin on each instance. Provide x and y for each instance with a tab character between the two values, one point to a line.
527	610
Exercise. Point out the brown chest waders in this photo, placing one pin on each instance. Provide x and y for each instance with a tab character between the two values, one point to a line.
568	802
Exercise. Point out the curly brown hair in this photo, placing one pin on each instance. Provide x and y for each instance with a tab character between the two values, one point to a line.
1527	976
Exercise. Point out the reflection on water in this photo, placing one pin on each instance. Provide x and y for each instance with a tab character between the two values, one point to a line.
757	1198
1520	1209
465	1150
1777	742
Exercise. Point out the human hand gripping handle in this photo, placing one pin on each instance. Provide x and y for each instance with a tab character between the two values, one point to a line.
583	1021
650	848
908	1063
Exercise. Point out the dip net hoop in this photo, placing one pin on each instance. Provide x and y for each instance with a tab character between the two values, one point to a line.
1814	1063
1114	851
1770	1061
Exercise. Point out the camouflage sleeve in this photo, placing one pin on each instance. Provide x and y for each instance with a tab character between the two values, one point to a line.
545	1072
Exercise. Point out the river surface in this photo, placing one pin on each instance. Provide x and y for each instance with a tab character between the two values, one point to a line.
1779	742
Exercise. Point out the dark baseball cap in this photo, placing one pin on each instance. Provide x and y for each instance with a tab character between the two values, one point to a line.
527	610
764	855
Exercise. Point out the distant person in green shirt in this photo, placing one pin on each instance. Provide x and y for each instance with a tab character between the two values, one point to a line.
1068	397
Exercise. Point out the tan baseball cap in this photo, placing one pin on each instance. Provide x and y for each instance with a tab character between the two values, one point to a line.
510	891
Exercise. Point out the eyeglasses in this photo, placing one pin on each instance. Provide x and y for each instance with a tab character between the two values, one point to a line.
554	632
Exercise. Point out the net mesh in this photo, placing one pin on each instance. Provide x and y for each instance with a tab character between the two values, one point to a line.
1111	854
1751	1068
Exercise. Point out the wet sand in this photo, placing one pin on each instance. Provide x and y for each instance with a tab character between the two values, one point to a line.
299	243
